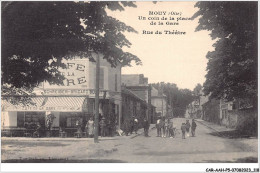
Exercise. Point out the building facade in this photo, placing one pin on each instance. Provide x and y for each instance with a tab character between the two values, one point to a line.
73	101
239	114
138	84
159	100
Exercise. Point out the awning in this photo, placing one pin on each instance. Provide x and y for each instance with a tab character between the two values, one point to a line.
56	104
33	105
65	104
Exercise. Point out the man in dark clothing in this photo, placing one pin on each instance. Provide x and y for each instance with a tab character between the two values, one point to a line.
159	128
135	125
193	127
102	127
146	127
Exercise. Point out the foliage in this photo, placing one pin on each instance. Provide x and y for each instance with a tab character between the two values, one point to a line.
178	99
232	66
37	35
197	89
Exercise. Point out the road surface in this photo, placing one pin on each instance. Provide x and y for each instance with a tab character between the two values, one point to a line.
205	147
202	148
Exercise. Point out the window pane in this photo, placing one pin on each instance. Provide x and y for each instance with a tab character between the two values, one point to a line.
20	119
68	122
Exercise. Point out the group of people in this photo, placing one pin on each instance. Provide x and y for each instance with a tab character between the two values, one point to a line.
165	128
105	128
132	125
185	128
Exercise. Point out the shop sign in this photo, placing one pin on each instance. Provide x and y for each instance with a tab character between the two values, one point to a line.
75	73
72	92
43	108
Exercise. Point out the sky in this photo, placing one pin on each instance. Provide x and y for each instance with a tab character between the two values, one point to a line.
179	59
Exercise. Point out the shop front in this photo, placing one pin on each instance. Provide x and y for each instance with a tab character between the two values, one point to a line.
20	119
68	114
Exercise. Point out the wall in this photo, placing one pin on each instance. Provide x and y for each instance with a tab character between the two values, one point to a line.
132	106
243	119
131	79
8	119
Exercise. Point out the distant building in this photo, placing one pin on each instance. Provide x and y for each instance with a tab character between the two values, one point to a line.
138	84
195	108
159	100
132	106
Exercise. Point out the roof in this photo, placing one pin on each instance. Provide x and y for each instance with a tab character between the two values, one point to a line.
129	92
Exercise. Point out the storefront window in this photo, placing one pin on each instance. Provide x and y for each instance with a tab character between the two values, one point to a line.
68	119
25	119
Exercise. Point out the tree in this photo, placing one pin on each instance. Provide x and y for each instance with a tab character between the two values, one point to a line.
197	89
232	66
36	36
178	99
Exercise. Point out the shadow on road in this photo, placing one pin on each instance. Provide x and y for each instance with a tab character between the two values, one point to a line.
240	160
62	161
167	153
232	134
32	144
111	139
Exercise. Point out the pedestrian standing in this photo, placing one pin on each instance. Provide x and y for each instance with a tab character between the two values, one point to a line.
166	128
188	128
159	127
183	130
79	125
193	127
102	127
135	125
146	127
171	132
163	127
90	127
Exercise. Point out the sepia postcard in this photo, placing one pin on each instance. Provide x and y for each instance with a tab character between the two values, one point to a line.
119	82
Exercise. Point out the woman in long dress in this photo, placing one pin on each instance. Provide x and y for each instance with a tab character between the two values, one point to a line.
90	127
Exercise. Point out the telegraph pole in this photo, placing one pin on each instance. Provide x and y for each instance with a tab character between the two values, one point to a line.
97	100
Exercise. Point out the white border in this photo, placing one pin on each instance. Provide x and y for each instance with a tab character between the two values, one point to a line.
129	167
